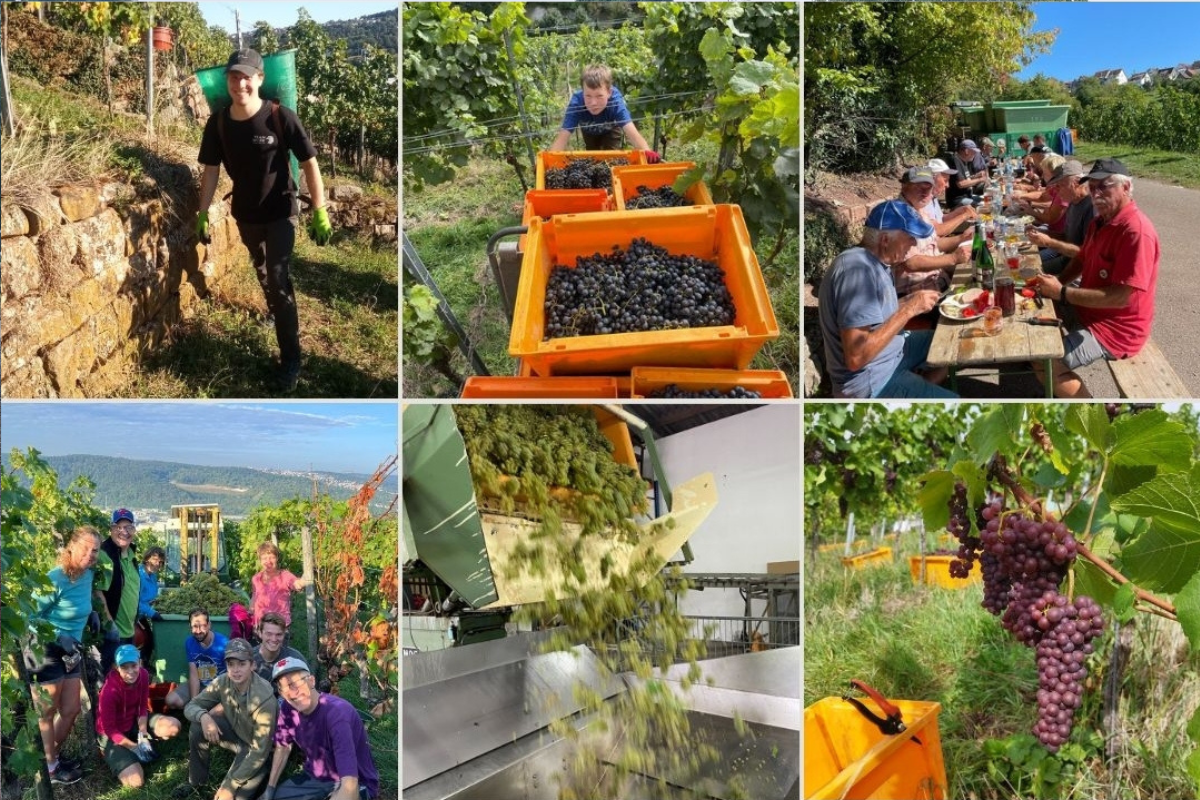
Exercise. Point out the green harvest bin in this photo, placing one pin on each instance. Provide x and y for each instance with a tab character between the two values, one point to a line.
1020	103
1036	119
170	637
279	83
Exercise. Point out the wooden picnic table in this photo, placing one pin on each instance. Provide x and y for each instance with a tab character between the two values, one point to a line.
962	343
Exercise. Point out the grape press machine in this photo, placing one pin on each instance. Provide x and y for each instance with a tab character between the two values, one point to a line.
480	699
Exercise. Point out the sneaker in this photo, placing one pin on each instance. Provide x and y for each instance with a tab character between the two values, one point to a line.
64	775
289	376
69	763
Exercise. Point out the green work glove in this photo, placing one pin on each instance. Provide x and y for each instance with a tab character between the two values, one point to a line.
319	228
202	227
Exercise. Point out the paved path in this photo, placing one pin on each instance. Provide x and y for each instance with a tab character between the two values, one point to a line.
1173	210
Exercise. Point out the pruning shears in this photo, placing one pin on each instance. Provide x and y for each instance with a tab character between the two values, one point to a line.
891	723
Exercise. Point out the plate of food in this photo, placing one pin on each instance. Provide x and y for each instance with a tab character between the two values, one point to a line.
966	304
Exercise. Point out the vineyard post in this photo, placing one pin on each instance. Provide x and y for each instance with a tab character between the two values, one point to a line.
41	779
310	591
849	532
149	73
6	106
520	102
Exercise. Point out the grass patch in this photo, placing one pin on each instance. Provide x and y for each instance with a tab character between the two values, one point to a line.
347	298
940	645
1179	169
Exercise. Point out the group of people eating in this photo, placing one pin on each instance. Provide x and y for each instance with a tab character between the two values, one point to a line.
1099	264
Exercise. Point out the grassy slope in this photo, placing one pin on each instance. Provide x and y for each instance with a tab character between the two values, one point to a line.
347	292
940	645
1180	169
450	226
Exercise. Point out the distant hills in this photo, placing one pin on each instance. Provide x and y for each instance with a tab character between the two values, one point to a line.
378	30
239	490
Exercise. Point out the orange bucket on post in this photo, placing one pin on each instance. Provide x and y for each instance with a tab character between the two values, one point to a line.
163	38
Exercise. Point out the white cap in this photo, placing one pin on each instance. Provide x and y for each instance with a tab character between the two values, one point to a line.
938	166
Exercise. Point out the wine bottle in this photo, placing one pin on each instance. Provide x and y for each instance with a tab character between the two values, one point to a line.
987	268
978	248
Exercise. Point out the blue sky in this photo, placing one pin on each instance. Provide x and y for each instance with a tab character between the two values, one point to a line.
1129	36
328	437
283	15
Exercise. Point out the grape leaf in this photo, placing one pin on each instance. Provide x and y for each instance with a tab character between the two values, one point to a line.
993	431
1193	765
1126	478
1193	728
1123	602
1090	580
1150	439
1090	421
1187	608
934	497
1165	556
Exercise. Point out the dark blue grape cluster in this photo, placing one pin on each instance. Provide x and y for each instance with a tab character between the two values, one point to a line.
662	197
673	391
583	173
642	288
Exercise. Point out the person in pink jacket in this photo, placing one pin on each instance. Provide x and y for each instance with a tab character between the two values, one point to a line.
124	721
272	587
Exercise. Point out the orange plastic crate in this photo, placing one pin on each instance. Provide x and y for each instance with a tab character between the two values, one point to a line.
937	572
871	558
556	159
548	202
770	383
518	388
847	757
710	232
626	181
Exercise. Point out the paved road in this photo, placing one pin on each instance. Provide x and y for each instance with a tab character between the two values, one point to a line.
1175	212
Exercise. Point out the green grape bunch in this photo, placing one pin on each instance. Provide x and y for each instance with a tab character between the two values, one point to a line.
202	591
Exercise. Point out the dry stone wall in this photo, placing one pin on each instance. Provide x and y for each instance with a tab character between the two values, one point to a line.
93	279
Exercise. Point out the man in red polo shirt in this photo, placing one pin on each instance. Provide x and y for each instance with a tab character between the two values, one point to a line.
1117	268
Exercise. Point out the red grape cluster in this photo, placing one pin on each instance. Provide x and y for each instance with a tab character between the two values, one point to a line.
959	526
1023	561
1067	633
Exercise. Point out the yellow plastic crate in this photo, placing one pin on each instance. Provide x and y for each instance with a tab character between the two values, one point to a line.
871	558
715	233
937	572
847	757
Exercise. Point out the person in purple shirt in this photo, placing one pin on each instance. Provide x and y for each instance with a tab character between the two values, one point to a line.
337	756
598	110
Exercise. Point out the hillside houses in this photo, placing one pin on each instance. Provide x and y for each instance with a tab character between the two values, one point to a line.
1148	77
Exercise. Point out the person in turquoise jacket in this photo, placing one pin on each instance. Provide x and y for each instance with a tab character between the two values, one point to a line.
66	606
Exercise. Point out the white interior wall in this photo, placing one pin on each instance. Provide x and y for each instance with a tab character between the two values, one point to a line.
755	458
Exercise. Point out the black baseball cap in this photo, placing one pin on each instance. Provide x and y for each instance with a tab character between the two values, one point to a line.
1039	148
1103	167
246	61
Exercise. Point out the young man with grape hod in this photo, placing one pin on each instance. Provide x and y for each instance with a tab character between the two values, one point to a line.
598	110
206	659
253	138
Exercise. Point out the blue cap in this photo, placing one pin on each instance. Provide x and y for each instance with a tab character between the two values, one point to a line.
122	513
126	654
897	215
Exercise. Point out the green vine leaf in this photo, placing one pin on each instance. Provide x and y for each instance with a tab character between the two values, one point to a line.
994	431
933	498
1090	421
1164	557
1123	602
1187	608
1193	728
1150	438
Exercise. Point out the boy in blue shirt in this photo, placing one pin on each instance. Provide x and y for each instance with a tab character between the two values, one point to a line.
598	110
206	659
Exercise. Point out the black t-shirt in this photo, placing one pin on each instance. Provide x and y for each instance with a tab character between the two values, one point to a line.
263	190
